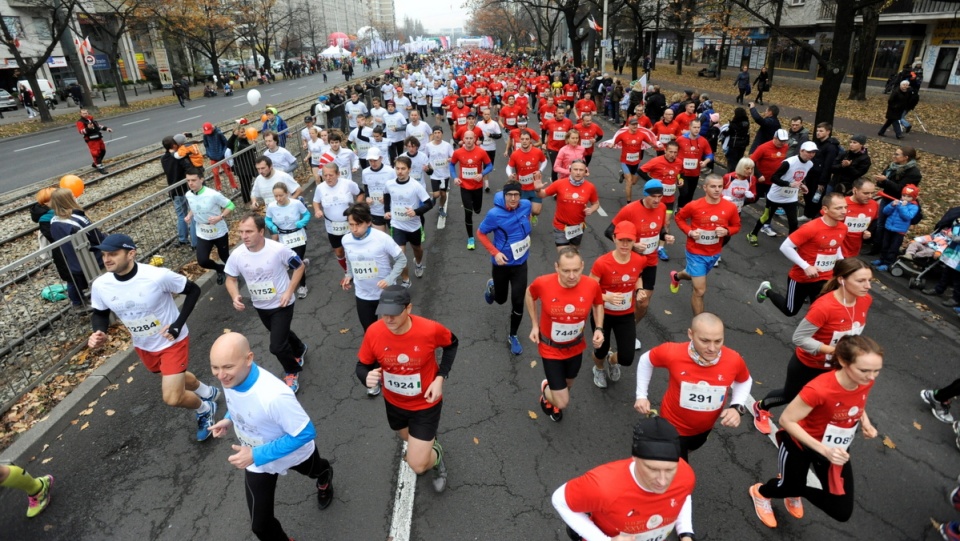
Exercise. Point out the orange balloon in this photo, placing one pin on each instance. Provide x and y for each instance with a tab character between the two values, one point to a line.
263	117
251	133
72	183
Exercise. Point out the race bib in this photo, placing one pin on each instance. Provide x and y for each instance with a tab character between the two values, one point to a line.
658	534
691	163
559	135
469	172
665	138
449	114
573	231
292	240
526	179
399	212
857	225
511	121
262	291
315	157
839	438
701	396
633	156
364	270
407	385
825	262
520	247
548	116
650	244
377	196
586	143
669	189
462	121
707	237
143	327
345	173
338	228
565	332
618	306
206	229
441	164
789	193
247	440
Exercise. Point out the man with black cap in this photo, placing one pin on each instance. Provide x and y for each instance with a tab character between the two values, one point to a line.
647	496
509	221
700	373
142	298
398	352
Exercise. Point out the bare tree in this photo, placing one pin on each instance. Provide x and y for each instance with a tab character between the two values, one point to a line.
111	20
210	27
678	15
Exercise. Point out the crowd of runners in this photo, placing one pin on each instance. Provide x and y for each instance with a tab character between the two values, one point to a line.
445	121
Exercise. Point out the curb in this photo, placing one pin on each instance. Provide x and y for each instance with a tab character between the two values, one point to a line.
59	418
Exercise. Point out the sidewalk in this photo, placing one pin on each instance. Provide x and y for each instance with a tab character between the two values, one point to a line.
67	108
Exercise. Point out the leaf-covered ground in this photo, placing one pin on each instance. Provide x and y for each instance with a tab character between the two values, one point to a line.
32	126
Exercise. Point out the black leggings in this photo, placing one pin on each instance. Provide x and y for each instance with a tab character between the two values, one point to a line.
302	252
692	443
396	149
948	392
472	204
624	329
791	481
284	343
262	487
204	247
367	312
797	293
552	156
798	375
514	278
789	208
688	190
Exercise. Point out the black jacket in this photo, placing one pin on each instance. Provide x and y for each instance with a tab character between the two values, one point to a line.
860	163
894	184
656	105
768	128
827	152
176	170
738	134
948	220
898	103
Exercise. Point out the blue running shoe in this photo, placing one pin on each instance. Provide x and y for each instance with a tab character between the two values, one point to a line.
781	212
662	254
292	381
205	421
303	355
515	346
488	292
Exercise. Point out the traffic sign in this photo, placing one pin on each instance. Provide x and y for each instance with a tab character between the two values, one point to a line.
89	60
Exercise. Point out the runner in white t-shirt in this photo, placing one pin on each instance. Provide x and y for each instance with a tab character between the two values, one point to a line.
275	433
375	180
439	152
418	128
262	189
282	158
264	264
287	219
419	161
330	200
317	146
359	138
141	296
405	202
210	209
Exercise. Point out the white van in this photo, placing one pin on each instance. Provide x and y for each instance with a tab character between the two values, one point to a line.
46	88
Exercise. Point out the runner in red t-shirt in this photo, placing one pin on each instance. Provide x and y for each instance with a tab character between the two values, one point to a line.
570	92
556	131
644	497
695	154
814	249
508	114
398	352
514	137
701	371
767	159
618	273
459	114
585	105
821	423
471	125
667	129
649	217
526	166
667	170
547	110
590	133
474	165
861	210
576	199
566	301
631	144
840	311
704	222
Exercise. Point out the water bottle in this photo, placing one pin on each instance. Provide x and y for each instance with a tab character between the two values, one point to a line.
817	196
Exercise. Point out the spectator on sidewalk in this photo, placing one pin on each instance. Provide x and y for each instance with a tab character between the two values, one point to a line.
948	276
738	137
656	103
899	102
828	148
742	82
42	215
762	84
850	165
69	218
901	172
243	162
26	99
175	168
799	134
215	144
769	123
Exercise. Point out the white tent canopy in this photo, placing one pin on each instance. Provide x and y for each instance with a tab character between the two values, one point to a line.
335	52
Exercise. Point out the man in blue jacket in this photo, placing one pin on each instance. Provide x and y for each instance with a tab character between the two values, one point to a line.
509	221
216	145
276	124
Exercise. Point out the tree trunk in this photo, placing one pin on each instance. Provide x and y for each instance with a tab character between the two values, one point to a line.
39	103
570	16
836	68
118	81
678	55
775	38
863	62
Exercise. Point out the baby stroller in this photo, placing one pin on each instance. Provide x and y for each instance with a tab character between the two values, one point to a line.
917	268
944	252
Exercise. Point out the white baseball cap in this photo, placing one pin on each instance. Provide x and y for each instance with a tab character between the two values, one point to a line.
373	154
782	135
809	146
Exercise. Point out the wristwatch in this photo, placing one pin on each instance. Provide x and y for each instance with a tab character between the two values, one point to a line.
740	409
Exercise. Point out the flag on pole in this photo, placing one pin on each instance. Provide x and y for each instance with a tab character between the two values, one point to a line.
593	24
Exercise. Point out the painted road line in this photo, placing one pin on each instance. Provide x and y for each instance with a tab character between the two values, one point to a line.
812	480
601	212
300	87
403	502
135	122
37	146
186	119
197	107
239	105
112	139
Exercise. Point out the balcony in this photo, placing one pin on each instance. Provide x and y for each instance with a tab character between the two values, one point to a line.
828	8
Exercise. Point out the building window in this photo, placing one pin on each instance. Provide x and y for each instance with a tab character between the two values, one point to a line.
788	55
797	2
42	30
888	58
14	26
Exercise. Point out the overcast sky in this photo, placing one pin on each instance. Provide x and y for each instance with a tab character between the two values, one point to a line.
433	15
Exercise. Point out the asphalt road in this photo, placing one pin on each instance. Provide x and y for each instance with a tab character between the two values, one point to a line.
29	158
138	475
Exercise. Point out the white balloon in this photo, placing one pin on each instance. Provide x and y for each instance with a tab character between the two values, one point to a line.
253	97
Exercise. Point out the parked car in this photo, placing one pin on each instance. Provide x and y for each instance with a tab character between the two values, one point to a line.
46	88
7	102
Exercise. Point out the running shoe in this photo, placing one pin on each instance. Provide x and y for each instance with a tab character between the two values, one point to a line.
39	501
488	292
662	254
443	213
753	240
950	531
205	421
486	186
471	244
302	292
674	283
763	507
599	377
802	220
515	346
375	391
418	271
303	355
768	231
637	345
955	496
439	469
406	284
292	381
214	394
717	262
940	410
221	278
613	369
325	492
620	178
781	212
761	294
761	419
533	219
794	507
555	413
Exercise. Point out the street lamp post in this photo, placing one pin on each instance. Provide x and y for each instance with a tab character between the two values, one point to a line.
603	50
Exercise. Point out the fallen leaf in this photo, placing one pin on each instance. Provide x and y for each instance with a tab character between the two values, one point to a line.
225	331
85	425
47	527
758	331
109	413
668	312
476	441
889	443
533	364
917	425
344	331
45	447
75	421
130	379
104	393
92	404
531	414
131	368
48	459
87	411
